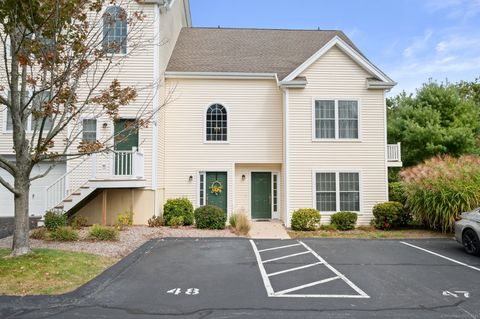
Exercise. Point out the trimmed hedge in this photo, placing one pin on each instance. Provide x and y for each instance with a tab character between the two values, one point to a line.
178	207
344	220
305	219
210	217
388	215
53	220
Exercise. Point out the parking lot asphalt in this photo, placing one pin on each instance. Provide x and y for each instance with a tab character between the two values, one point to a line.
310	278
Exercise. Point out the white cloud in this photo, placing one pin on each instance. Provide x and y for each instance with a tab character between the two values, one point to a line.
419	44
456	42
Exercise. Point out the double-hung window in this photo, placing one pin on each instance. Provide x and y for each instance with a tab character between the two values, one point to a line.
336	119
89	133
337	191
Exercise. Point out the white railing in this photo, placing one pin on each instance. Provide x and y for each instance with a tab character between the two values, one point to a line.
393	153
58	190
128	163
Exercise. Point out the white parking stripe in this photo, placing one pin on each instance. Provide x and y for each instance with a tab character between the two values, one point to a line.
441	256
351	284
315	283
285	257
275	248
293	269
285	293
263	272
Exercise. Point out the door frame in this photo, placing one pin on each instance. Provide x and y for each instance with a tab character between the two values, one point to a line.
273	215
229	187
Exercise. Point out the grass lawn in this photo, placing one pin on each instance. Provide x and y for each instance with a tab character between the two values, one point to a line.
48	271
370	233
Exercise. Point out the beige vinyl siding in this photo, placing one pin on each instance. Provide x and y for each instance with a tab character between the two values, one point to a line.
254	130
336	76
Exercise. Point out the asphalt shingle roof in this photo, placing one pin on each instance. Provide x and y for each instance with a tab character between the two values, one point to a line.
247	50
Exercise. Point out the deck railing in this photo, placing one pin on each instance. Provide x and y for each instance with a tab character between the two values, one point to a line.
394	153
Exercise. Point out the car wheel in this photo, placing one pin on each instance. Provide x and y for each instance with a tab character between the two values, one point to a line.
470	241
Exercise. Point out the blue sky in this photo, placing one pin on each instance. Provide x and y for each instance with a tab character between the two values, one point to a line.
410	40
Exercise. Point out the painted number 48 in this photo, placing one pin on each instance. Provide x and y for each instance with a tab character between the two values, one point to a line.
189	291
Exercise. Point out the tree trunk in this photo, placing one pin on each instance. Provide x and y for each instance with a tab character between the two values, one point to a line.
21	243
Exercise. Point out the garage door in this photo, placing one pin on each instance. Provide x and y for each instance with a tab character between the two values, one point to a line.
37	189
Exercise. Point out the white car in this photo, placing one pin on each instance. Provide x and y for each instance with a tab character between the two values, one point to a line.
467	231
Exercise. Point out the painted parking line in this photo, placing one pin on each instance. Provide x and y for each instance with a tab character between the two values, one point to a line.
441	256
321	263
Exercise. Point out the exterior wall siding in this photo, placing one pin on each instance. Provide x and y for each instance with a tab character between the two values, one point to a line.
336	76
254	131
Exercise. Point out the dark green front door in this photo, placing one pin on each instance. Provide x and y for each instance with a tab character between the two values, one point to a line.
215	180
261	195
125	139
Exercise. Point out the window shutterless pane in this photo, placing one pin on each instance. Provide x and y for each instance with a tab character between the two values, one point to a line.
326	198
115	30
216	123
326	201
89	130
348	119
349	184
325	119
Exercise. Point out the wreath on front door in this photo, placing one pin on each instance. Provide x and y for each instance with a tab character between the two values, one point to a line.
216	187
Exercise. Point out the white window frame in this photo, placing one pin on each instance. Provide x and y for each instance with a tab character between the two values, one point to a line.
5	114
116	54
277	197
337	188
337	133
204	174
205	141
97	126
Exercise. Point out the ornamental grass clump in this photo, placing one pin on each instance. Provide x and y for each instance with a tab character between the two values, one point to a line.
441	188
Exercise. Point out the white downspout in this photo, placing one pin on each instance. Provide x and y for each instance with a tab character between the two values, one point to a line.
285	158
156	102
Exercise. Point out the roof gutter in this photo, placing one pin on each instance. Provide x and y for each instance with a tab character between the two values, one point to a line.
377	84
220	75
293	84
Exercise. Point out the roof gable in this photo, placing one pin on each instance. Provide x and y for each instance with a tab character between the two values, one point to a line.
285	53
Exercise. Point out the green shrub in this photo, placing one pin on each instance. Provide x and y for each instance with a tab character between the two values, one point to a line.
387	215
124	220
39	233
328	227
53	220
396	193
78	222
178	207
344	220
155	221
305	219
176	221
64	233
210	217
441	188
103	233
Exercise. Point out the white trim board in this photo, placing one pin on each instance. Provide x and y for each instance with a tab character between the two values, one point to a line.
341	44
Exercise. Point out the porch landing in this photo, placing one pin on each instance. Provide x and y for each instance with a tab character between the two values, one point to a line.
272	229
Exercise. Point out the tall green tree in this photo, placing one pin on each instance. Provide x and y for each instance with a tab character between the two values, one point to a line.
439	119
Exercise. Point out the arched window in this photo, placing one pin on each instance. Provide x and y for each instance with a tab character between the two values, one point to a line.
216	126
115	30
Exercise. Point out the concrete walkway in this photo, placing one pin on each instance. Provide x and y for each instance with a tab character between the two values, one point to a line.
273	229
